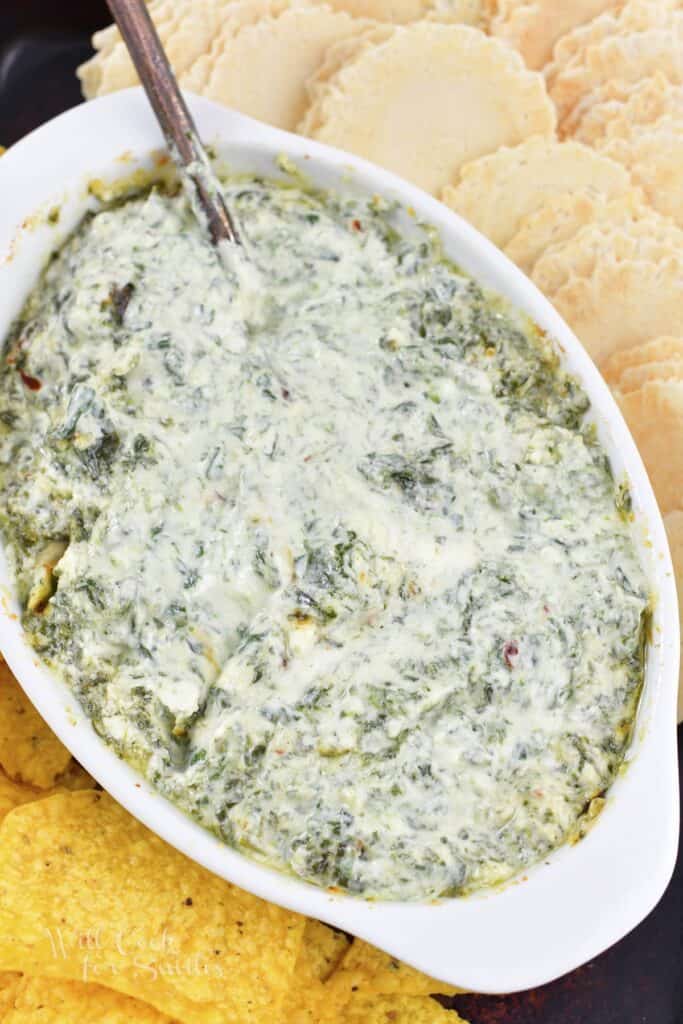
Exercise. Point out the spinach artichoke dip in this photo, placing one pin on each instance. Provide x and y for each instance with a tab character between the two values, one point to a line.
350	581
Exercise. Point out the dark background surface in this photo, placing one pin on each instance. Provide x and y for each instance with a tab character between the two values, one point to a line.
638	981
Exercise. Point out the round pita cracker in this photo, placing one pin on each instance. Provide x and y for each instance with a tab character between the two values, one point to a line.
159	10
194	32
464	12
430	99
636	376
240	13
398	12
496	192
263	68
638	234
403	12
654	414
628	57
534	28
237	15
186	29
623	304
674	531
665	348
347	50
653	155
321	82
625	17
570	49
106	39
617	106
614	90
561	217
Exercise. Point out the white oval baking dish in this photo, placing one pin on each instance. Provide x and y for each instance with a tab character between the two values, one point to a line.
583	898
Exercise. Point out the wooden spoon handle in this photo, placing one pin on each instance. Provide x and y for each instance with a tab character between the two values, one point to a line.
159	82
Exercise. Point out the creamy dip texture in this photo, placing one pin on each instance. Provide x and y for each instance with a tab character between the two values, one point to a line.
350	581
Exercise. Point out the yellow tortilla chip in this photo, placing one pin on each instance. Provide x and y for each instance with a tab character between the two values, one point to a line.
13	794
654	414
533	28
429	99
396	1010
29	751
657	350
89	894
368	971
496	192
623	304
9	982
50	1001
7	979
674	531
322	947
76	777
308	1000
9	985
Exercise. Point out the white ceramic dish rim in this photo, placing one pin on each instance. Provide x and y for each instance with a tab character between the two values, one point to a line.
584	898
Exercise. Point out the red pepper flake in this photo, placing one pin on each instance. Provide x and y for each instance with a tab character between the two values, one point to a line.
32	383
510	652
546	609
285	393
356	225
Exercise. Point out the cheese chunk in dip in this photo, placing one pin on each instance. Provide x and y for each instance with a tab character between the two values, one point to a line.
349	581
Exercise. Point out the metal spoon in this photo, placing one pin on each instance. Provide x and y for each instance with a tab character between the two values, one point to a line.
175	120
